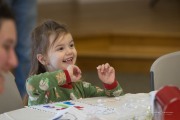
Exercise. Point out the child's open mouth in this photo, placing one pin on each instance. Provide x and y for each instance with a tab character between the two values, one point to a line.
68	60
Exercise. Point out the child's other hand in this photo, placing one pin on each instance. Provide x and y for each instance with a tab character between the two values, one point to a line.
106	73
74	73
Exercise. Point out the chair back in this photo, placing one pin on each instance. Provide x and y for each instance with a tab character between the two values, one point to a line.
166	71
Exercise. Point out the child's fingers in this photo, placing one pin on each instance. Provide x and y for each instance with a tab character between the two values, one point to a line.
76	71
102	68
111	70
99	70
99	67
106	65
79	77
79	70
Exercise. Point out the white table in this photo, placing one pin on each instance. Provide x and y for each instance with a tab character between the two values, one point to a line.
129	106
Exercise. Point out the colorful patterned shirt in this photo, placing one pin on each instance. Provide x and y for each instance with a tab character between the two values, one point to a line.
57	86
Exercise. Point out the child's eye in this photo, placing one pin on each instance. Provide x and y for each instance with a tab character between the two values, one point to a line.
61	48
72	45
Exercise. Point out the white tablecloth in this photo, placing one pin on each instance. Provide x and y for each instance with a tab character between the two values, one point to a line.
127	107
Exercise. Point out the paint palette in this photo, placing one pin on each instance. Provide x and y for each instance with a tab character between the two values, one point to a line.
87	108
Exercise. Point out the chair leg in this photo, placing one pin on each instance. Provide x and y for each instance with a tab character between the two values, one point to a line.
152	80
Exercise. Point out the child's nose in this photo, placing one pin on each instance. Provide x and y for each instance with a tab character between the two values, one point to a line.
69	51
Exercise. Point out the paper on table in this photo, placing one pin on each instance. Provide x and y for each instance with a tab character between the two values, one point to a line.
70	113
60	113
86	108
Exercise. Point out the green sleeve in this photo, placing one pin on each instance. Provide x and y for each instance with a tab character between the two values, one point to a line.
38	85
113	90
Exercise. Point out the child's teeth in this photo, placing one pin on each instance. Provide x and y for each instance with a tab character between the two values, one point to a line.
69	59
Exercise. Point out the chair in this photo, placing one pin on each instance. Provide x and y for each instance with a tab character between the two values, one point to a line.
166	71
10	99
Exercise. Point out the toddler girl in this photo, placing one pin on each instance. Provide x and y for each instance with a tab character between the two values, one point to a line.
54	76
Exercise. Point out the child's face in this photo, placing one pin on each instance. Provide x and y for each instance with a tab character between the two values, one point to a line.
62	53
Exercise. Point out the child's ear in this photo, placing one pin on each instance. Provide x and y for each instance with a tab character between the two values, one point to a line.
41	59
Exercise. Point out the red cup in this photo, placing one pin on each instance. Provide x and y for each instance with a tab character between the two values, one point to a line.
169	99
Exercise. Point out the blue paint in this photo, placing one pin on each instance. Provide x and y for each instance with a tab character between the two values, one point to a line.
47	106
68	103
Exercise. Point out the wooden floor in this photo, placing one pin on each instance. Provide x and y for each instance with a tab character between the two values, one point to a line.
127	33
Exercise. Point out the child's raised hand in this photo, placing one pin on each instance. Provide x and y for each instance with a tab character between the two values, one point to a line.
74	73
106	73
